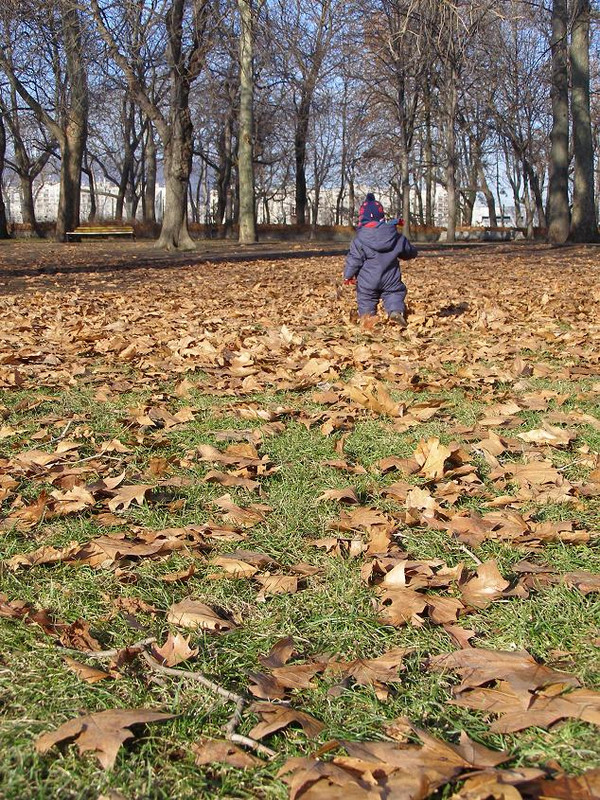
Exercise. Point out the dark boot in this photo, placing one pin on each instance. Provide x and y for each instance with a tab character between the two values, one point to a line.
398	318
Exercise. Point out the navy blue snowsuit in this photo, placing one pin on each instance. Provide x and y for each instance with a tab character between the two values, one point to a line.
373	260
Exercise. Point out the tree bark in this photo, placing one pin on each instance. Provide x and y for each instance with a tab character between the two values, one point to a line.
300	140
489	196
558	190
150	176
247	200
452	102
4	234
584	226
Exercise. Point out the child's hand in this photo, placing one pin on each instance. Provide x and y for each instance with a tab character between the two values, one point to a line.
349	281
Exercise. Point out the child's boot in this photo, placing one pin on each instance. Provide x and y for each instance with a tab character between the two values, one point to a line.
398	318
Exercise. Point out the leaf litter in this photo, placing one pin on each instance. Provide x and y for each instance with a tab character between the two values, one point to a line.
491	461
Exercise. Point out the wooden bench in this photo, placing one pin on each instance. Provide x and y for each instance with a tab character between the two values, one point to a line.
101	230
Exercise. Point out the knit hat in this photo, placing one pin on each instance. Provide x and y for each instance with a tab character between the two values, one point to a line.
370	211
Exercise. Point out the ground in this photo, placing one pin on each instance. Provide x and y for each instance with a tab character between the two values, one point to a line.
225	435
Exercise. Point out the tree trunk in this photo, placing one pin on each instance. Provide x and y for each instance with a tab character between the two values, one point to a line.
429	198
300	138
451	157
92	189
247	207
224	171
174	234
405	190
27	202
489	196
4	234
74	135
534	184
69	198
558	190
150	182
584	227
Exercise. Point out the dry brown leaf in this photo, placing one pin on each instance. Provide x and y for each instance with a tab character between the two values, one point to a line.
85	672
432	456
101	733
125	496
209	751
477	666
190	613
541	709
275	717
347	495
175	650
276	584
487	585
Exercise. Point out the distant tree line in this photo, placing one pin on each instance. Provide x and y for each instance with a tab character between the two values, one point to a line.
250	97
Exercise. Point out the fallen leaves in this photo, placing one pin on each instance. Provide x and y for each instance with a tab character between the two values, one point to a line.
193	614
484	484
101	733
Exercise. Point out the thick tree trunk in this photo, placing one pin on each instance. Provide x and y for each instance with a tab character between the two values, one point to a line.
174	234
558	190
584	226
247	205
71	152
27	202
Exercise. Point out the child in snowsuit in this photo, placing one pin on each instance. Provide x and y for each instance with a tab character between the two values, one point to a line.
373	263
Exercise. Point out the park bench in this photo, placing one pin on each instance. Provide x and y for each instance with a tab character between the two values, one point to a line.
101	231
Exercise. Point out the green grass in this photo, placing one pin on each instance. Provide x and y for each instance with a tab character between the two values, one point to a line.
333	613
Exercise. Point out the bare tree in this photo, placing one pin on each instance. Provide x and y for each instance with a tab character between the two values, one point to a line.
59	28
173	33
31	151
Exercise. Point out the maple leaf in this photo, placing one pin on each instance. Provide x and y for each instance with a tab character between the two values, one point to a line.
102	733
432	456
276	584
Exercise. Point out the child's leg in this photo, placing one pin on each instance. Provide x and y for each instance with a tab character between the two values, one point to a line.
367	301
393	299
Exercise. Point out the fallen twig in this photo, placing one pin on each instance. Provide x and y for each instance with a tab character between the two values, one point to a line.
111	653
62	434
469	553
237	738
195	676
239	700
235	719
